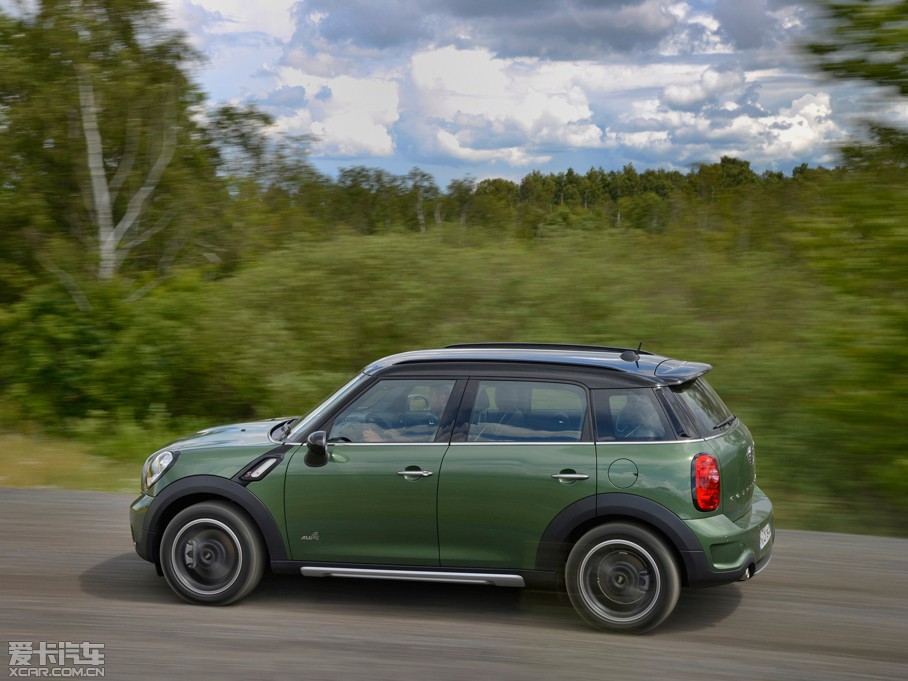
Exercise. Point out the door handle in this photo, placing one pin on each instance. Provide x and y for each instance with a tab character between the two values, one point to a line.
570	476
415	474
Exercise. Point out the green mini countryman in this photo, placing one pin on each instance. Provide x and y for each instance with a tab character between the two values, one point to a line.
614	474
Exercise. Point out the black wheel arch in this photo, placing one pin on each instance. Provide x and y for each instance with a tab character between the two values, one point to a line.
197	488
575	520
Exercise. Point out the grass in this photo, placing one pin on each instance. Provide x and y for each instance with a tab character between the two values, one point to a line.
55	463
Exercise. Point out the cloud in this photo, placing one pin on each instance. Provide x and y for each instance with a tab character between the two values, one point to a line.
523	83
512	156
757	23
575	29
365	23
239	40
219	17
348	116
695	32
286	99
713	85
478	100
580	30
801	128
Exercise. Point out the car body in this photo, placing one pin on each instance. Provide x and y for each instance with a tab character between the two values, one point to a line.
615	474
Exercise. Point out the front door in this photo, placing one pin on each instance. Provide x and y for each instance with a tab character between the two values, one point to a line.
375	501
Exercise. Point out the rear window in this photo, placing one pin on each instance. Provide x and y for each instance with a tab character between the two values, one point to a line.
704	404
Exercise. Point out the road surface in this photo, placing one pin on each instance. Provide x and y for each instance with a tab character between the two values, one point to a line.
828	607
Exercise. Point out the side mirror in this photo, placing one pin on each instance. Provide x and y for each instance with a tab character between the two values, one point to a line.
317	443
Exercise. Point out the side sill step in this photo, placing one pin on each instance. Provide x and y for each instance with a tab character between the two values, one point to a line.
416	575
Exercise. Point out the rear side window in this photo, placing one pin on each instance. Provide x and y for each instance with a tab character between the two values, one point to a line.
629	415
527	411
704	404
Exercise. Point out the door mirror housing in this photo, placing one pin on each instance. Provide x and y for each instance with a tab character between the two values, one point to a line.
317	444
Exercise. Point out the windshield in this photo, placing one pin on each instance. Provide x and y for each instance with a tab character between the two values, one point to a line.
705	405
316	414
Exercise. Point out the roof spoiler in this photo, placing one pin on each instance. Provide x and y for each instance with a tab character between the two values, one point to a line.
675	371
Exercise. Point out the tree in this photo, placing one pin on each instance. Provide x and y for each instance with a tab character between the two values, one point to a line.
538	190
98	134
460	192
646	211
495	201
593	188
661	182
625	183
241	137
275	193
421	188
867	41
371	199
568	190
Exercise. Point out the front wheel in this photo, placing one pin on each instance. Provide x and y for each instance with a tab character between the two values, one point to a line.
622	577
212	553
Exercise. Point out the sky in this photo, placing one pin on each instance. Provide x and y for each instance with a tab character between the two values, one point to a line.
499	88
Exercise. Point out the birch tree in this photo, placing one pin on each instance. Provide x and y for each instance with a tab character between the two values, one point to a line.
95	102
421	189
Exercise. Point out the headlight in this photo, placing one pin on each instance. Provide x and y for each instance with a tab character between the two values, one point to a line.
155	466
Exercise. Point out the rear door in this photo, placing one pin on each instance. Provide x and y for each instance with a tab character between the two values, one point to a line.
521	453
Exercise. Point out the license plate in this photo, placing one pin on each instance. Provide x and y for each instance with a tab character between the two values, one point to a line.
765	536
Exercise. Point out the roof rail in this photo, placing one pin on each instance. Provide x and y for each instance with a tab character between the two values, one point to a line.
547	346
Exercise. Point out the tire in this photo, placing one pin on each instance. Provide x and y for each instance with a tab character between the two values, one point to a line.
622	577
212	553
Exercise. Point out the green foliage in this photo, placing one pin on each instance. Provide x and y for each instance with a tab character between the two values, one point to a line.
49	349
864	40
793	289
255	286
120	436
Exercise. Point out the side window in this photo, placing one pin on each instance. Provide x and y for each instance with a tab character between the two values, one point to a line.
394	410
629	415
527	411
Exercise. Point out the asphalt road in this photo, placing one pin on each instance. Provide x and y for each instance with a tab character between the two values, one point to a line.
828	607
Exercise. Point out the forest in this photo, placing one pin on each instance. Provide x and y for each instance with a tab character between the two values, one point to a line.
167	263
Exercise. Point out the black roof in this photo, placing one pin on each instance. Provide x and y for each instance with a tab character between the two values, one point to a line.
656	368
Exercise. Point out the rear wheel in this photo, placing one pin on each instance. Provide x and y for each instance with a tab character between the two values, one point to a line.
622	577
212	553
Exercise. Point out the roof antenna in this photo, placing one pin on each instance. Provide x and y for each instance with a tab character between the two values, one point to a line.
632	355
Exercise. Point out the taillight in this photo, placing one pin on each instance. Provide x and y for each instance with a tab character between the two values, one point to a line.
705	482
